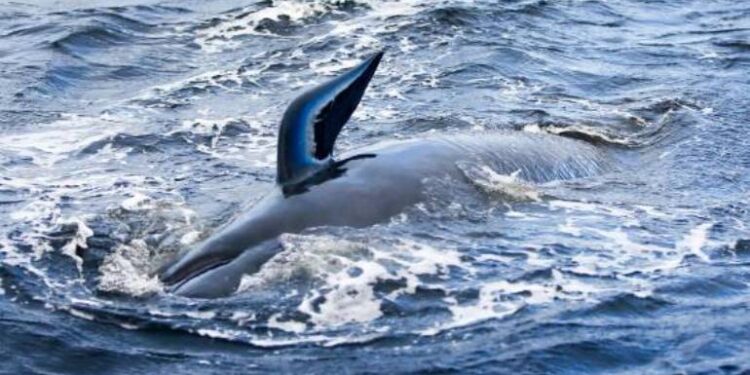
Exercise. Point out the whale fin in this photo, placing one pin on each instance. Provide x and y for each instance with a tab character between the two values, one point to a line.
312	122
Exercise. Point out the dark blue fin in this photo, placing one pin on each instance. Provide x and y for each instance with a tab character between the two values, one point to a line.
314	119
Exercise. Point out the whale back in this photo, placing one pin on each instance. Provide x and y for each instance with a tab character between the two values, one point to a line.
374	189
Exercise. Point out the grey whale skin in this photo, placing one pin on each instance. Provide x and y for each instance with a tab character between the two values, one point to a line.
365	188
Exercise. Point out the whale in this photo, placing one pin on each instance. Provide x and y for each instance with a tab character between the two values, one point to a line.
361	187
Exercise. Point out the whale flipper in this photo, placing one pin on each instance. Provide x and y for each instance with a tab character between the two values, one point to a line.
313	120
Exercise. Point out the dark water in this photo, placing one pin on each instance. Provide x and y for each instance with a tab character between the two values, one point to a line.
132	128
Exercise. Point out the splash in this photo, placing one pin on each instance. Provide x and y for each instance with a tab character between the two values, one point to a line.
127	271
500	186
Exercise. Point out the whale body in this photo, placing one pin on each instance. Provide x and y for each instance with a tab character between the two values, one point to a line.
364	188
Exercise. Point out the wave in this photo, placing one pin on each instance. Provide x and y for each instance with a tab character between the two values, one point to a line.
641	127
279	18
92	37
158	143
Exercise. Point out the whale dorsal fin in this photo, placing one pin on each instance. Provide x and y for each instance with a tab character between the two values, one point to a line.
313	120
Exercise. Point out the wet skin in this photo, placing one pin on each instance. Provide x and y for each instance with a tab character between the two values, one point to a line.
366	191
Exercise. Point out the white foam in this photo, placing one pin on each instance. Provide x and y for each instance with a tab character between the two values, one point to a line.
486	308
621	240
627	217
347	299
79	314
694	241
653	212
190	237
217	333
499	299
569	228
484	258
129	327
203	315
273	342
490	305
43	215
126	270
354	339
138	202
218	37
242	317
38	210
496	184
332	66
348	273
83	232
288	326
591	207
50	143
212	128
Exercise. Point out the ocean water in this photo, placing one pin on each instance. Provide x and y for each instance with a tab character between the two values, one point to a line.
130	129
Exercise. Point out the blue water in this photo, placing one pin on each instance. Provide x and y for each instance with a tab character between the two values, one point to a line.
131	129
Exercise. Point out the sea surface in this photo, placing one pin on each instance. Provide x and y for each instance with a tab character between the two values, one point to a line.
130	129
